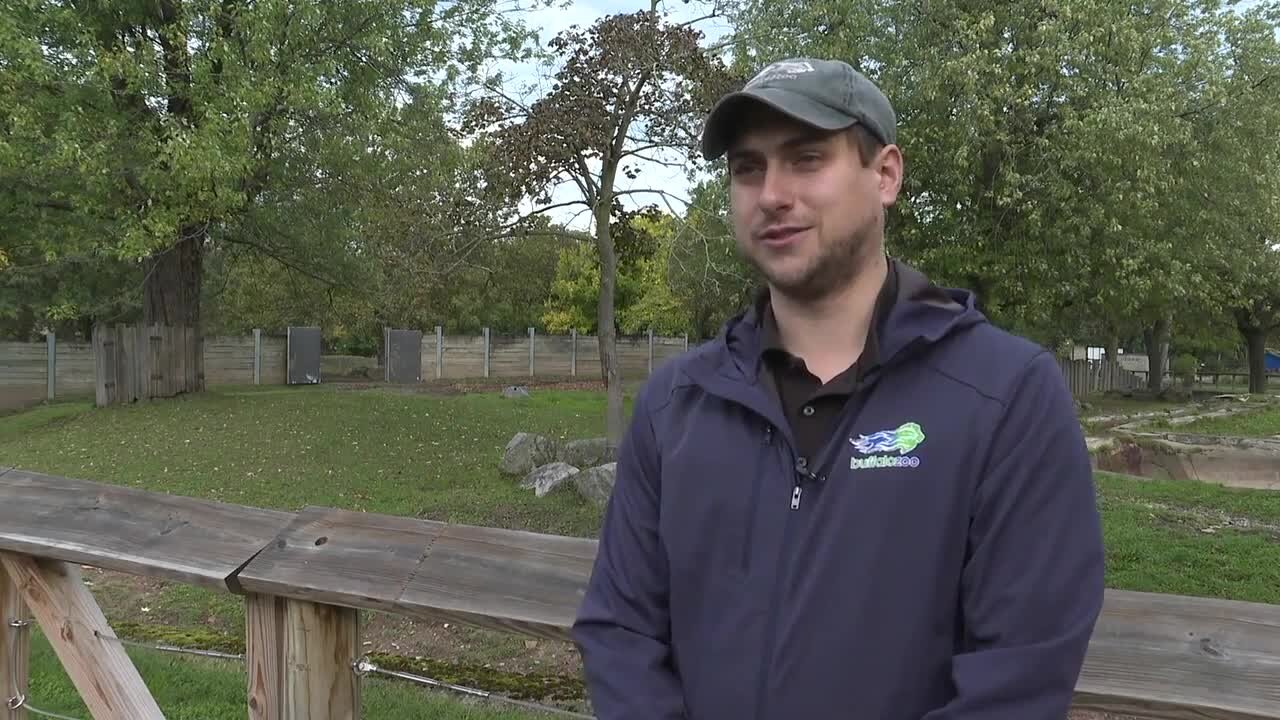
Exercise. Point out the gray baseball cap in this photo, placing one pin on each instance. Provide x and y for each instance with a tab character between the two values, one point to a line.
827	94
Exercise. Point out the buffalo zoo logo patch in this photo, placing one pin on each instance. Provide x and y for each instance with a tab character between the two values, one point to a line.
880	446
782	70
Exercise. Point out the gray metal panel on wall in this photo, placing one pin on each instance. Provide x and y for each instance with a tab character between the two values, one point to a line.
404	356
303	355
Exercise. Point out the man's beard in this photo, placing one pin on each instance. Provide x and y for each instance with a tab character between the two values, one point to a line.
832	270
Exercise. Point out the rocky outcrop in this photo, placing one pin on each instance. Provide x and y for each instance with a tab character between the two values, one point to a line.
587	453
544	464
545	478
596	484
528	451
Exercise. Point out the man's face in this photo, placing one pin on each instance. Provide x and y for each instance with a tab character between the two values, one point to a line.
806	211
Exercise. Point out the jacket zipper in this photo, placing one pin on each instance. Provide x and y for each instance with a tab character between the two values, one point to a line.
802	473
786	454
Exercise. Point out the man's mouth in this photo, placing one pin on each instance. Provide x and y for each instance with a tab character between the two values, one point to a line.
781	233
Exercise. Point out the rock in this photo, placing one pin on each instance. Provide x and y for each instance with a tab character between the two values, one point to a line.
527	451
587	453
545	478
515	391
596	484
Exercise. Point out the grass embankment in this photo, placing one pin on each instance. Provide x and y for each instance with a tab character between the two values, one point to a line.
436	456
1254	424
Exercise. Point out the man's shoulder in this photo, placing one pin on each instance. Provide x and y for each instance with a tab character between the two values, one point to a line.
677	373
992	360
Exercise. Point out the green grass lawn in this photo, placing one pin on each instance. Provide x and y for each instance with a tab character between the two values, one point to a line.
1259	423
375	451
1190	538
437	456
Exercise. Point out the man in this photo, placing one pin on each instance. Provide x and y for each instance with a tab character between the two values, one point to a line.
862	501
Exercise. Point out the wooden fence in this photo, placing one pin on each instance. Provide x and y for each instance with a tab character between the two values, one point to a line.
305	575
31	372
140	362
1086	377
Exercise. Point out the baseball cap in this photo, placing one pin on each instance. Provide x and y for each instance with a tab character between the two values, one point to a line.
827	94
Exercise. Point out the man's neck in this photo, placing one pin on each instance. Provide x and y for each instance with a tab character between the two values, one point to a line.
830	333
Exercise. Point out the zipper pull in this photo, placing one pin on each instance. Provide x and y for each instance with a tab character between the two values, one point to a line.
768	434
795	497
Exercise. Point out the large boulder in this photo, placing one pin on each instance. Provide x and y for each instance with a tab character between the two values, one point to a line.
587	453
527	451
546	478
596	484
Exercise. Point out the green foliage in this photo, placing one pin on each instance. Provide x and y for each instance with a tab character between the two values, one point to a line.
631	87
276	126
1184	368
1080	164
575	292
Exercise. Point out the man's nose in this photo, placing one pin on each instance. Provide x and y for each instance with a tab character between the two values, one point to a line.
776	191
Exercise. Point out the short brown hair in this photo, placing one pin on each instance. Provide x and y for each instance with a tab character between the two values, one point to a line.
865	142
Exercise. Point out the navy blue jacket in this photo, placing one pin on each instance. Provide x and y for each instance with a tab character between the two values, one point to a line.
941	559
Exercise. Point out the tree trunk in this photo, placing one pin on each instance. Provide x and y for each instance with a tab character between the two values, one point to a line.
1256	340
26	329
1157	341
615	421
979	287
171	295
1113	348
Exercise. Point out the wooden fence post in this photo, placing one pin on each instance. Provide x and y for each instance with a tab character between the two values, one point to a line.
439	351
486	351
264	656
386	354
51	351
530	352
573	352
109	684
15	647
257	356
321	643
650	351
300	659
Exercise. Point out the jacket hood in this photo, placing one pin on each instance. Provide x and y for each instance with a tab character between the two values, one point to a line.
922	314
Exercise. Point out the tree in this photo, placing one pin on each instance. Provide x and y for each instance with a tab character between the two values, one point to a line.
631	88
1055	152
706	273
153	131
1234	189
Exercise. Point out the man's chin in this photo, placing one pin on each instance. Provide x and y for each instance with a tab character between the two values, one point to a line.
800	287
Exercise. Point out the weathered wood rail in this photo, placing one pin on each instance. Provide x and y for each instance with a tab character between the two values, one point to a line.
305	575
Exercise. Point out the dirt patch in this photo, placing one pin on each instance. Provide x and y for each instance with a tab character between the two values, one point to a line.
135	601
1149	456
510	665
418	639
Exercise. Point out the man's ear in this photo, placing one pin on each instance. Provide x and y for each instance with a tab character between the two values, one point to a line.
889	165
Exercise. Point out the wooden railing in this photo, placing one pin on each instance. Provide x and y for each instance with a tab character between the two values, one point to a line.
305	575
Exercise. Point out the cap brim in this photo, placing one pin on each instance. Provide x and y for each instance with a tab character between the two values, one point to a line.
718	130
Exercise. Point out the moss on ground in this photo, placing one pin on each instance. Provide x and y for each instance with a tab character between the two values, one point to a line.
544	687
